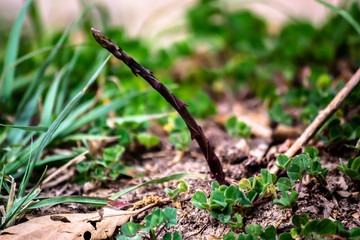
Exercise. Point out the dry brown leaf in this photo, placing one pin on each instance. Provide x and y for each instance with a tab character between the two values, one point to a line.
69	226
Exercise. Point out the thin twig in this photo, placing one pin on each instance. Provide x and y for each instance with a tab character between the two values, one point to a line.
63	168
323	115
195	130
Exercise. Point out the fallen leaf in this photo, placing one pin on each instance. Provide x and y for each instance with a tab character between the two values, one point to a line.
99	225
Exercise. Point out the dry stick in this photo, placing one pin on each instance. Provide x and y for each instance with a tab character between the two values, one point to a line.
63	168
195	130
321	118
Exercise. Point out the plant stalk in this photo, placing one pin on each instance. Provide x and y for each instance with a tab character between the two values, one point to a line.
195	130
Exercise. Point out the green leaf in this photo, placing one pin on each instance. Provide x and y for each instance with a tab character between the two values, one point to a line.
177	236
129	229
112	154
232	193
170	213
121	237
284	184
169	192
147	139
294	172
285	236
351	173
50	99
253	229
27	128
326	227
287	200
215	185
342	13
218	198
244	184
229	236
300	220
355	165
6	83
230	125
95	201
354	232
267	176
199	199
283	161
183	187
224	218
167	236
269	233
156	218
313	153
309	228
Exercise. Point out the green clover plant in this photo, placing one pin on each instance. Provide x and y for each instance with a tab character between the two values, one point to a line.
314	229
174	194
237	129
352	169
154	223
262	185
253	232
287	200
307	162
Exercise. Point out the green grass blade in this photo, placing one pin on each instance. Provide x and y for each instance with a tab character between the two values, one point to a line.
159	180
342	13
15	135
50	99
81	136
55	158
27	128
33	85
16	208
2	178
97	112
11	53
138	118
71	199
19	203
27	57
65	83
53	127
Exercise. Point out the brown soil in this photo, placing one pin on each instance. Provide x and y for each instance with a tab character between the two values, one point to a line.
338	198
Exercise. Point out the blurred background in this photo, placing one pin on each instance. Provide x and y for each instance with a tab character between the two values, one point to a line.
285	60
147	18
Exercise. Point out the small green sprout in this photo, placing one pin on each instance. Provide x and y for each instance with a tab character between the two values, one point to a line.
174	194
286	200
109	166
307	162
263	185
147	139
352	169
253	232
221	202
154	223
178	134
277	114
237	129
316	228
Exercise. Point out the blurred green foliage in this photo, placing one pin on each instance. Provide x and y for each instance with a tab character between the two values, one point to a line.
299	67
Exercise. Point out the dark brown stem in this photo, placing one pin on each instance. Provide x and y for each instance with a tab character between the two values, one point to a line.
195	130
